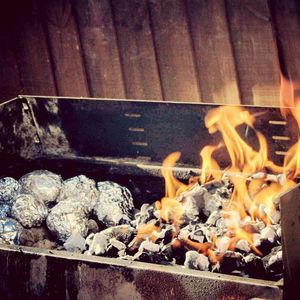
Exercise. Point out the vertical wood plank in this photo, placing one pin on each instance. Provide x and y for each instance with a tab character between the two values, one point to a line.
32	52
174	50
136	49
255	51
10	84
213	51
286	16
100	48
65	48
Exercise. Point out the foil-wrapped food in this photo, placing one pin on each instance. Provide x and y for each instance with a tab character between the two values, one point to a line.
67	218
29	211
80	189
114	205
9	189
10	231
44	185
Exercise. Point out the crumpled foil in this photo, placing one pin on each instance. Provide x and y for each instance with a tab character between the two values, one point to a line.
67	218
29	211
45	186
80	189
10	231
114	205
9	189
5	210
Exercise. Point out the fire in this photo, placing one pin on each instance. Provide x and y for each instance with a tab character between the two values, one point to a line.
256	179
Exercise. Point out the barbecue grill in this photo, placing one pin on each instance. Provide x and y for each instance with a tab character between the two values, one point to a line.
126	141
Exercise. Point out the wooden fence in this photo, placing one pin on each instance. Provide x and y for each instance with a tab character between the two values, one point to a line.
222	51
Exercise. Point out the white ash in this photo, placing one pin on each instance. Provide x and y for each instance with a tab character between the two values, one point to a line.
117	244
243	246
195	260
97	243
223	243
9	189
192	201
66	218
80	189
114	205
149	246
29	211
145	214
213	218
268	233
45	186
75	243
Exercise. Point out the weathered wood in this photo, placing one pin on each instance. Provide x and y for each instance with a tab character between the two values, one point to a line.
32	52
255	51
174	50
136	49
100	49
10	84
65	48
213	51
286	15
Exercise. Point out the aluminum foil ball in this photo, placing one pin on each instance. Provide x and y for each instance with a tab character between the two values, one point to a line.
9	189
67	218
45	186
114	205
80	189
29	211
5	210
10	231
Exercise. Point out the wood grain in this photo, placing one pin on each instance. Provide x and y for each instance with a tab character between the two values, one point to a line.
286	15
32	52
137	49
100	49
213	51
255	51
65	48
174	50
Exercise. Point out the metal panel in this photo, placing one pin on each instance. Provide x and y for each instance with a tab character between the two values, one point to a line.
27	273
139	129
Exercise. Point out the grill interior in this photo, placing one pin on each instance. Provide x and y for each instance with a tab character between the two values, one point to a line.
122	141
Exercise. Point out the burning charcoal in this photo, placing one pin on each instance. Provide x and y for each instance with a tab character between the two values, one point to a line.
254	266
5	210
165	235
122	233
213	218
213	202
273	261
197	261
93	226
75	243
148	246
145	214
114	205
198	234
192	201
278	232
97	243
9	189
222	244
10	231
117	244
45	186
66	218
29	211
265	246
80	189
243	246
230	262
268	233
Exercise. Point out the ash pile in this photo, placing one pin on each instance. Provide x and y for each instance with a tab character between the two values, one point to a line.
197	229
